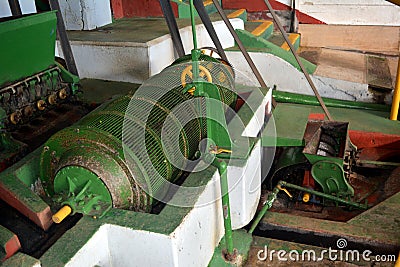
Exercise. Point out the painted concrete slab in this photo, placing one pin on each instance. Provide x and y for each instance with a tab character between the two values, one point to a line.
279	73
122	52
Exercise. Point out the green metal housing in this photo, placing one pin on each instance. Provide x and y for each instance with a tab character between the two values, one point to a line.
27	46
97	143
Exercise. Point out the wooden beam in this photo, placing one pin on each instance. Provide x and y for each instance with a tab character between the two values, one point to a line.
346	37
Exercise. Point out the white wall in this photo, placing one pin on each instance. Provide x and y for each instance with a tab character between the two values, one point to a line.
85	14
27	6
350	12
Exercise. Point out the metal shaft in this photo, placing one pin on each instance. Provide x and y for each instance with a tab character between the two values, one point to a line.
62	35
272	197
320	194
241	46
276	20
223	171
267	206
193	25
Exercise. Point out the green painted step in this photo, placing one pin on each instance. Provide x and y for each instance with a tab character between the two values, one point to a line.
260	28
258	44
184	8
278	40
240	14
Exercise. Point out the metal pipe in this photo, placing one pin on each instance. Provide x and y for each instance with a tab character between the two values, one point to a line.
62	35
241	47
15	8
396	95
193	25
287	97
223	171
272	197
268	204
298	60
320	194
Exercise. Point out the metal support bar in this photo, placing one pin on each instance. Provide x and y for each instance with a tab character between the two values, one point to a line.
320	194
223	171
172	26
241	47
62	35
15	8
293	17
298	60
209	27
193	23
280	186
376	164
396	95
268	204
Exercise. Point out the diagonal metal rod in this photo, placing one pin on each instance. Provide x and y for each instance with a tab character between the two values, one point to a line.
15	8
209	27
298	60
241	47
172	26
62	35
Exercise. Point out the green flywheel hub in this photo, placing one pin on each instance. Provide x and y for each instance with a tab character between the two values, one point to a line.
82	190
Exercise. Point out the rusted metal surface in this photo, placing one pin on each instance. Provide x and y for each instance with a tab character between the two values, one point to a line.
19	197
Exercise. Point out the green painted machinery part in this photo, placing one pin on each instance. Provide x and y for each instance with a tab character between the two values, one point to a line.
27	46
287	97
326	196
255	44
330	176
327	151
70	78
268	204
282	184
226	208
85	191
216	133
193	23
96	144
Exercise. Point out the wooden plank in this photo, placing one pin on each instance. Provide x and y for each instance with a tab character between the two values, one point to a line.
364	38
342	65
378	73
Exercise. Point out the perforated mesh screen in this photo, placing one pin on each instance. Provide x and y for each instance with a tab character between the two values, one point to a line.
126	118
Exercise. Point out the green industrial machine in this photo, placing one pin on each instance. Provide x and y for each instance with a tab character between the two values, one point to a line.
31	81
85	166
